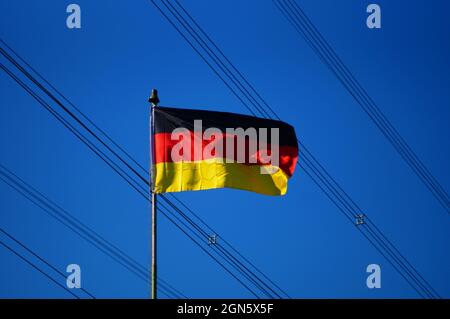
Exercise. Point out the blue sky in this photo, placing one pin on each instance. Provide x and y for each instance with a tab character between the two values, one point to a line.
125	48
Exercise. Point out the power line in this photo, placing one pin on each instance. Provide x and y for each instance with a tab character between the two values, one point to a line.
222	66
303	25
107	159
204	250
232	247
71	222
108	137
67	125
261	98
41	259
232	260
318	173
36	267
381	239
232	66
93	148
356	95
73	130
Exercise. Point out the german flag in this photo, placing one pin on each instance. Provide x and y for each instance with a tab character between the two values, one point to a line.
198	150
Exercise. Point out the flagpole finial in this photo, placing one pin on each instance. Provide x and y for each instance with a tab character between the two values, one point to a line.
154	98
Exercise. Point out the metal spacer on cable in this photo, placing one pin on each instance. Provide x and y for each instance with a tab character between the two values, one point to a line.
359	219
212	239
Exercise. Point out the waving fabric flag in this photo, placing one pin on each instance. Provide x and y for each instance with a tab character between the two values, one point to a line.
198	150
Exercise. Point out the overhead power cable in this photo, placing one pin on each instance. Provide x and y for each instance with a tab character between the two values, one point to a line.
43	272
78	227
252	100
303	25
107	136
237	263
161	207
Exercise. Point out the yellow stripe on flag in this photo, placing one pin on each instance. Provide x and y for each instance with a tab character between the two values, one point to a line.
212	173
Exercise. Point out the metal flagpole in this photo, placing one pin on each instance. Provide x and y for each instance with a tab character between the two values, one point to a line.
154	100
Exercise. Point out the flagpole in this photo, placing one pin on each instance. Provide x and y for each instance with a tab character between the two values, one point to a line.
154	100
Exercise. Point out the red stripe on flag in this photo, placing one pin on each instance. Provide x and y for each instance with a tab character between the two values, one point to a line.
164	145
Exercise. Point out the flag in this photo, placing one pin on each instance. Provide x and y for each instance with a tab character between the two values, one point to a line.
199	150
